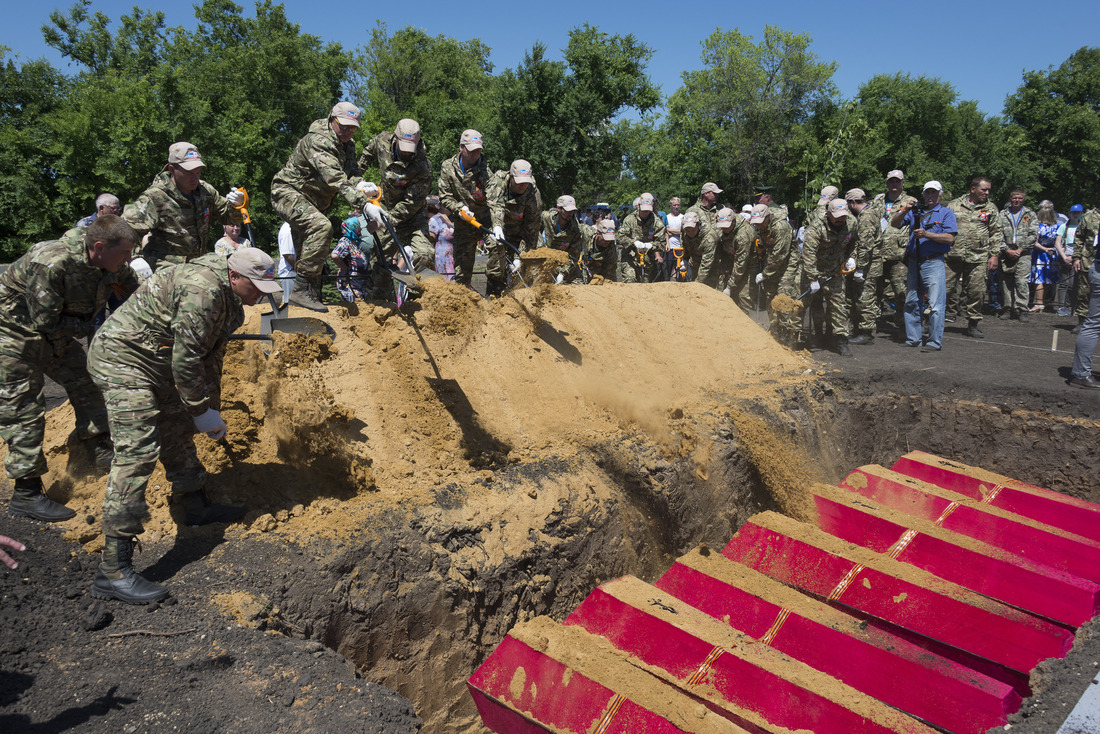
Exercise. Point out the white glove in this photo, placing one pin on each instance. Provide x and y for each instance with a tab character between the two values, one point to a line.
815	286
465	213
858	275
560	279
759	278
850	264
372	211
139	266
498	232
211	424
368	189
516	265
642	246
235	197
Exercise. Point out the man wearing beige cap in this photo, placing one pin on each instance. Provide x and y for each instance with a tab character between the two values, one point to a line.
177	209
158	361
640	237
463	187
826	255
868	257
707	204
762	261
891	286
602	252
562	231
405	176
321	166
516	208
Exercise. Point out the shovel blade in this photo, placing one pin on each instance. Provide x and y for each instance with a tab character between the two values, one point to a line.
304	325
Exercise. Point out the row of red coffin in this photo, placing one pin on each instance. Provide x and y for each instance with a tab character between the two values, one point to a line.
922	600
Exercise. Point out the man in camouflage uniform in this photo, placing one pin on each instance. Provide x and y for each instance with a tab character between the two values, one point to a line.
732	236
48	299
1019	231
706	206
321	166
868	257
158	361
516	207
562	231
406	181
700	245
767	244
640	238
602	253
975	253
1084	254
826	252
892	284
177	209
463	185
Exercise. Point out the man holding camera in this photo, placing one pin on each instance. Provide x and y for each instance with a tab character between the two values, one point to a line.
932	230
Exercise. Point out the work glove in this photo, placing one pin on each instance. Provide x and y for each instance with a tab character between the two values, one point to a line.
516	265
465	213
858	276
850	264
367	189
139	266
211	424
372	211
759	278
815	286
498	232
560	279
235	197
642	246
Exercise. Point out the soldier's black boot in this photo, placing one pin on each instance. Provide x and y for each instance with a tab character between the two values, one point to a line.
117	579
307	294
862	337
841	345
495	286
29	500
973	331
199	510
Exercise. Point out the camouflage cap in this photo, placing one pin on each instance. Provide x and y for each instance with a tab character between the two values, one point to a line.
855	195
710	186
521	172
567	202
829	192
725	217
758	214
606	229
471	139
256	265
691	219
345	113
896	173
838	207
186	156
646	202
408	135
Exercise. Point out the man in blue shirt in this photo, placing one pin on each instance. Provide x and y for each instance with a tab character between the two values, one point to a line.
932	232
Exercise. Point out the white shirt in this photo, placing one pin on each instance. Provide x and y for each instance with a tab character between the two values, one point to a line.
674	222
286	247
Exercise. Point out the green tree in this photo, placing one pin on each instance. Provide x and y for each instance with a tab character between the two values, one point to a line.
1058	115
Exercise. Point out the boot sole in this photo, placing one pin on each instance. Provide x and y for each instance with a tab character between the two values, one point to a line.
114	595
39	518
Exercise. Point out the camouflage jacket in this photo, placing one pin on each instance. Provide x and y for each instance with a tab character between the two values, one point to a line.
54	293
1021	234
868	238
1087	229
827	247
461	188
603	261
774	245
173	330
404	184
979	236
894	239
178	224
520	215
633	229
570	239
322	167
708	215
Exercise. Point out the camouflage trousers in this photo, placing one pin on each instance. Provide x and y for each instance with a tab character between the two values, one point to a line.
633	270
866	311
414	236
160	258
746	264
893	286
147	422
973	279
1084	292
1014	286
829	306
24	365
464	244
701	256
310	227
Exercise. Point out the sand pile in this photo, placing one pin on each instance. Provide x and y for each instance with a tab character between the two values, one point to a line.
400	406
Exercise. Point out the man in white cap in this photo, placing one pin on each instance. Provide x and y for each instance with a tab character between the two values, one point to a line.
516	207
827	254
463	189
158	361
177	209
562	231
640	237
707	204
891	285
602	253
321	167
932	230
405	177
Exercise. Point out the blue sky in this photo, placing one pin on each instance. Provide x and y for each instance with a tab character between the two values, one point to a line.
980	48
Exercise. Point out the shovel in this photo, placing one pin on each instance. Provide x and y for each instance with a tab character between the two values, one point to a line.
408	286
488	232
247	219
280	320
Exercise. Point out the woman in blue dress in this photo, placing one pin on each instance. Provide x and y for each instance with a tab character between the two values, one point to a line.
352	264
1044	256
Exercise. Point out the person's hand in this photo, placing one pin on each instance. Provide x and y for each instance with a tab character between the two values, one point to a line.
560	279
815	286
920	233
290	259
235	197
516	264
211	424
994	263
372	212
858	276
1077	266
141	267
759	278
660	258
849	265
367	189
7	560
498	233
